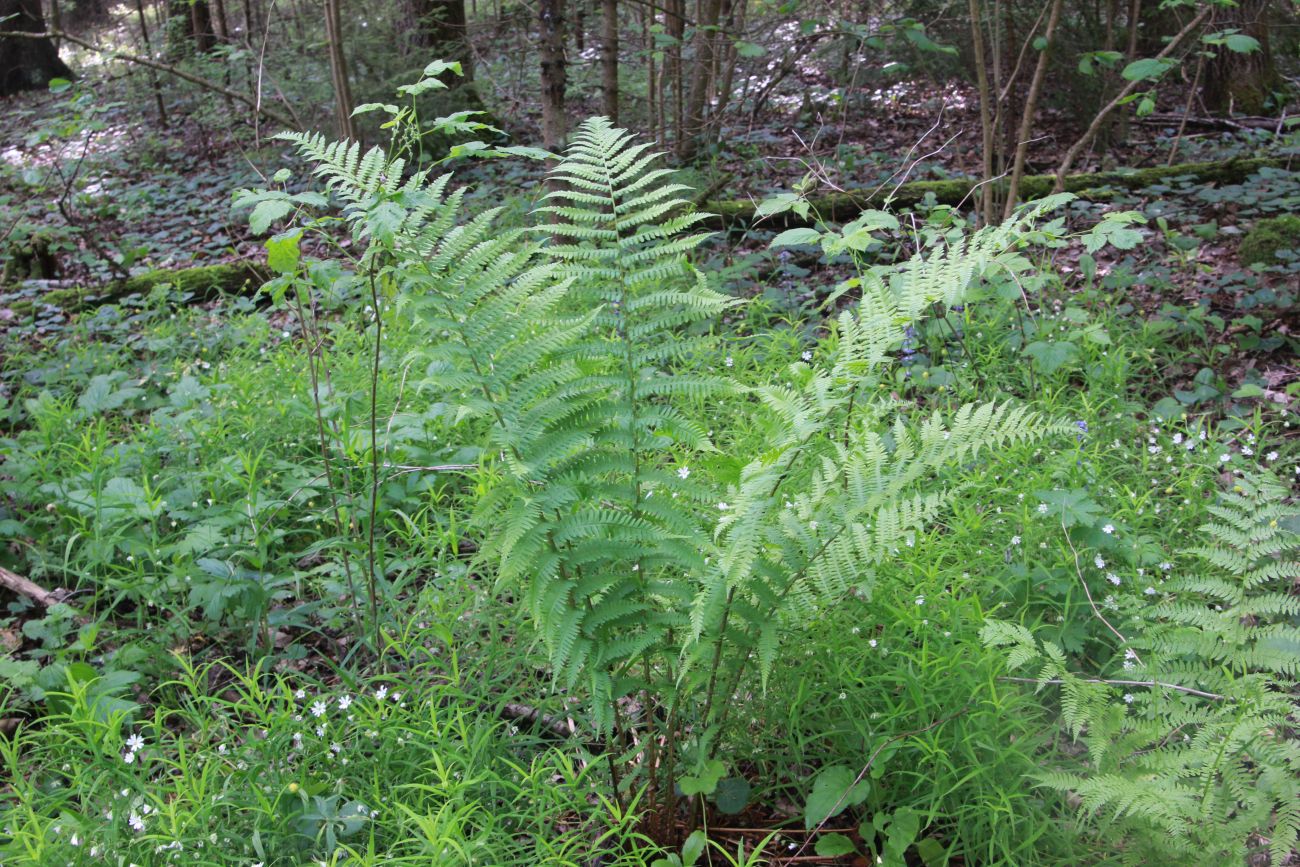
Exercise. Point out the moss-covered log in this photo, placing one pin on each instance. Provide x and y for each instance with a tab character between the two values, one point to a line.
838	207
202	283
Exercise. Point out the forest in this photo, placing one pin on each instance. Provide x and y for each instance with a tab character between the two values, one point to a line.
649	433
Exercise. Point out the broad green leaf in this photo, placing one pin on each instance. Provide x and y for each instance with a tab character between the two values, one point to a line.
266	213
1147	67
282	252
1051	355
732	795
794	237
834	846
833	792
693	848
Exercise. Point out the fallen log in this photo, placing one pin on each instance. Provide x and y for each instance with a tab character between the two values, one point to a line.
202	283
842	206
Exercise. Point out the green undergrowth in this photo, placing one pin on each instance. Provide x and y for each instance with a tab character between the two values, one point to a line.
210	690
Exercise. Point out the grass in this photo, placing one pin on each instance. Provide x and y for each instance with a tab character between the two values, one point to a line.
162	464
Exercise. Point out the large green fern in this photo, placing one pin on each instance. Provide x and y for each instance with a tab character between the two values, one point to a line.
1198	757
582	350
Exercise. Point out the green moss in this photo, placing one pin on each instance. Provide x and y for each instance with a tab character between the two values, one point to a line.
846	205
1268	237
201	283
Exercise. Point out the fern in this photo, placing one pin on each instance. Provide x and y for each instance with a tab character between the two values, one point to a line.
575	354
1203	762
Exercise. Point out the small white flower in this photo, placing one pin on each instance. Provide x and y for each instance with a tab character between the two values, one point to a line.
683	472
345	702
1178	438
300	694
872	642
135	743
1165	567
1112	578
1108	529
1128	698
381	693
1150	591
129	757
1015	540
1271	456
318	709
1100	563
806	356
136	823
1224	458
729	362
722	507
920	600
1042	508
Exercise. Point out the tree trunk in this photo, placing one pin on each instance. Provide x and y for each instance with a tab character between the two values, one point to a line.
1031	104
339	71
609	59
1242	82
84	14
706	36
550	17
986	110
27	64
442	26
153	74
205	36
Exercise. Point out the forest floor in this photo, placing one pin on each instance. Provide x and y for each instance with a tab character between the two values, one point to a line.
162	472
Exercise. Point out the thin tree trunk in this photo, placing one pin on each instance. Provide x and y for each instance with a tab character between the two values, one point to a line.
609	59
339	71
1031	103
221	26
986	117
153	74
705	40
735	24
675	24
550	15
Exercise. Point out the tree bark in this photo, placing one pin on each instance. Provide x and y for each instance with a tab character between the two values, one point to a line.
339	72
84	14
705	39
986	116
609	59
550	17
27	64
1031	104
1236	81
205	37
442	25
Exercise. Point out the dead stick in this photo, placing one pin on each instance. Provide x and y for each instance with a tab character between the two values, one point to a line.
24	587
161	67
